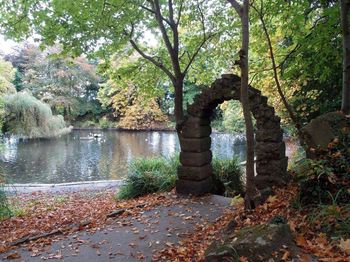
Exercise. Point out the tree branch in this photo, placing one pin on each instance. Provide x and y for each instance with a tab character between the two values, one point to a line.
160	65
196	52
179	12
236	6
158	14
153	12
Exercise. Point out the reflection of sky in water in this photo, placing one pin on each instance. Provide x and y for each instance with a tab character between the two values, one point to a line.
70	158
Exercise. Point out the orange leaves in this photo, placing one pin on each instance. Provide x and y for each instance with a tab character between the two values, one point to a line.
301	241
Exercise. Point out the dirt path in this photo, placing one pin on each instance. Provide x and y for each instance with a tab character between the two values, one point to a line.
130	238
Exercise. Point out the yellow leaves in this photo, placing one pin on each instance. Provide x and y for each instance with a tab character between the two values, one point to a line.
345	245
237	200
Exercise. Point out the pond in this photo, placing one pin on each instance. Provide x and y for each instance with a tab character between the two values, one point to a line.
71	158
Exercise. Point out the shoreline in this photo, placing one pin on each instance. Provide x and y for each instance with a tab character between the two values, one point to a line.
63	187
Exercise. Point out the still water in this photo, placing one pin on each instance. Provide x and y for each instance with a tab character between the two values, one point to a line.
71	158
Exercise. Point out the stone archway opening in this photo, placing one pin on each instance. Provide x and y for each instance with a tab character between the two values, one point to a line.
195	173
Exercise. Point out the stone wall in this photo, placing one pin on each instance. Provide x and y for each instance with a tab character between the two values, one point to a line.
195	171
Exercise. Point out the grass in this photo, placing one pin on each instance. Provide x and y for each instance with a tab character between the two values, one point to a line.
159	174
230	174
149	175
5	210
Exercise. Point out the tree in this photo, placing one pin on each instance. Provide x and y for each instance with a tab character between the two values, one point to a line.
83	25
69	85
7	73
345	24
293	117
243	12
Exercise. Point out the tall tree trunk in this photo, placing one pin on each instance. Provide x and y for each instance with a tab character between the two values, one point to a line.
251	191
250	184
178	101
345	24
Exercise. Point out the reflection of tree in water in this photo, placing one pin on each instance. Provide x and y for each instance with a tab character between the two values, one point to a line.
70	159
39	160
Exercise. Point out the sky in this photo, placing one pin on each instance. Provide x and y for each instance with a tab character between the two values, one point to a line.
6	45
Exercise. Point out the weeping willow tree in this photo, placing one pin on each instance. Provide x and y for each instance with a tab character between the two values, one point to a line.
28	117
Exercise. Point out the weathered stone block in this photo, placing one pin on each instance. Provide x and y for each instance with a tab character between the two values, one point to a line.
270	123
192	122
263	182
196	188
270	150
272	135
194	173
196	132
257	243
272	167
195	159
195	144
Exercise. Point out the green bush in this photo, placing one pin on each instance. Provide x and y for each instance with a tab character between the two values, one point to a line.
28	117
104	123
5	210
88	123
149	175
326	176
158	174
230	174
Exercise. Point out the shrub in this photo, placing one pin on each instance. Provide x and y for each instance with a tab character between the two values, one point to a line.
149	175
104	123
88	123
158	174
327	176
28	117
230	174
5	210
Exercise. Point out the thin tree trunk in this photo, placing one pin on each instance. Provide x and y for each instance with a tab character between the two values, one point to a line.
251	191
275	74
250	184
345	24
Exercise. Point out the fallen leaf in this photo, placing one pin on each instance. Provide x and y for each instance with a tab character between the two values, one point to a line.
345	245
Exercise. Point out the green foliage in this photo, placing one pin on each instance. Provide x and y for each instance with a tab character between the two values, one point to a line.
105	123
68	85
230	174
5	210
327	177
7	74
87	123
131	108
28	117
148	176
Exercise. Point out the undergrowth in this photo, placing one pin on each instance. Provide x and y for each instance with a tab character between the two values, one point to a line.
5	210
159	174
324	184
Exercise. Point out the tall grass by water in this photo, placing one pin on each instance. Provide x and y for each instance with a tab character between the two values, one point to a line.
5	210
149	175
159	174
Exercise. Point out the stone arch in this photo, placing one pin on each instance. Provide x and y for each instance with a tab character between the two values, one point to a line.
195	170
